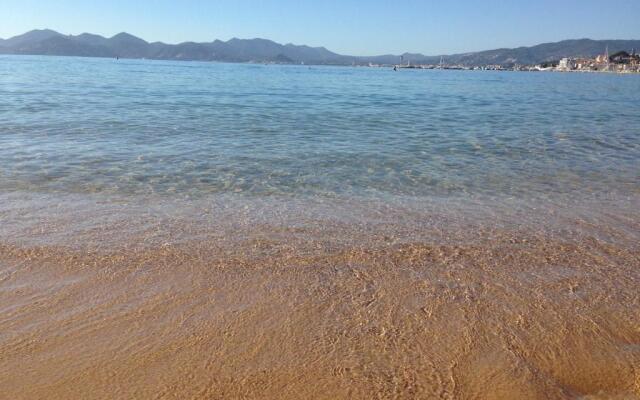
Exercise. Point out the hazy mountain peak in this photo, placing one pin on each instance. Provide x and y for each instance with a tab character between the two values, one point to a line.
124	36
43	32
89	36
31	36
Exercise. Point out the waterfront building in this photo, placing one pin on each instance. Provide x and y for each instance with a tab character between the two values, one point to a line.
566	64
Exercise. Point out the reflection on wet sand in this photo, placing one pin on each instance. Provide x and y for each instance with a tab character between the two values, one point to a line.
316	312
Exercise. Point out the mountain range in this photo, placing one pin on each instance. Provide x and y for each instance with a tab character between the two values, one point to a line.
124	45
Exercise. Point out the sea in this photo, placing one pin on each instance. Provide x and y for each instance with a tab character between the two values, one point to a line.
159	128
286	231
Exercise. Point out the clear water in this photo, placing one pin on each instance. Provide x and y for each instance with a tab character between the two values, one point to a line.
349	232
125	127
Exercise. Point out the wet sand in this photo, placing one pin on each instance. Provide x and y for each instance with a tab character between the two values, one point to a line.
120	300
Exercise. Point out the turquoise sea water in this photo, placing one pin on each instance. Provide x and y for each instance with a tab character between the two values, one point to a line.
78	125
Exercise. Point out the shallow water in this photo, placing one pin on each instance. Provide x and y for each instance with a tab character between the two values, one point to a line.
196	230
186	128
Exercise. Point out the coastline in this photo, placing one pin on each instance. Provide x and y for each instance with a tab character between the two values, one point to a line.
259	63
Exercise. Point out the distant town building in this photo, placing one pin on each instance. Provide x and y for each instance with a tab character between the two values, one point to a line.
621	61
583	63
567	64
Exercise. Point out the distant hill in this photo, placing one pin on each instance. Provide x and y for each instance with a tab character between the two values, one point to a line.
521	55
545	52
124	45
30	38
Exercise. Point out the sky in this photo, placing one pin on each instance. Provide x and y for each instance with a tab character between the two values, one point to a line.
363	27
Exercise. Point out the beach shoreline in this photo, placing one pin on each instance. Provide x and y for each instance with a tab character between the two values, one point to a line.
264	300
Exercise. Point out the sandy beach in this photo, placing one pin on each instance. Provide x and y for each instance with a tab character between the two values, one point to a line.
139	301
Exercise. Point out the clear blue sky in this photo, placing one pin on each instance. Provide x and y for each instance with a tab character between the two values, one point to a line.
362	27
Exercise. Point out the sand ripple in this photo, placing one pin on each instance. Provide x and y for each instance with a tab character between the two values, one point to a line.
300	313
